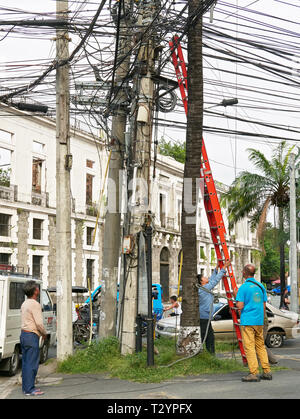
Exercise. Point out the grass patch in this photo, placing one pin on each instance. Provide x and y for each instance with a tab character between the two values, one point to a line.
223	346
105	357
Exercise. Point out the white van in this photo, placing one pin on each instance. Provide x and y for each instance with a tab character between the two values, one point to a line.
11	299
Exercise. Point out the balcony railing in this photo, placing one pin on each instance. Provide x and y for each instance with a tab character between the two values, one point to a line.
41	199
9	193
204	233
91	209
168	223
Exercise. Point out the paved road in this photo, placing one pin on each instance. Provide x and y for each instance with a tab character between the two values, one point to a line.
285	384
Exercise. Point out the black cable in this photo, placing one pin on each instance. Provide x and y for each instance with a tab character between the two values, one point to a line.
55	65
116	51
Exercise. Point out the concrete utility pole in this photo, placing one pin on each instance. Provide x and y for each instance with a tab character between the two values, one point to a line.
293	238
63	197
112	226
141	148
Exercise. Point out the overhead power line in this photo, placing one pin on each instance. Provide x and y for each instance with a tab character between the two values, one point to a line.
56	64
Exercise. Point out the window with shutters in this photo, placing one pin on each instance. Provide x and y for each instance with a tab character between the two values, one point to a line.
37	229
5	225
162	210
5	258
37	263
37	175
90	272
89	189
89	235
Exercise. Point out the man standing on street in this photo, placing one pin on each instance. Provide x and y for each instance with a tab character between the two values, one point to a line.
251	300
32	328
205	305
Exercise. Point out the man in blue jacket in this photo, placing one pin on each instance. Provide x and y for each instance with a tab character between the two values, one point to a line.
205	305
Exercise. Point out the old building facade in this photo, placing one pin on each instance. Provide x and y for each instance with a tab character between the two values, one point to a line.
28	202
28	197
166	206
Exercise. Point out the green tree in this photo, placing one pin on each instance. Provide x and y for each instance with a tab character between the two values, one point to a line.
172	149
270	261
253	194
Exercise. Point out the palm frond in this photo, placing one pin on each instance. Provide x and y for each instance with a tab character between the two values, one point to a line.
262	163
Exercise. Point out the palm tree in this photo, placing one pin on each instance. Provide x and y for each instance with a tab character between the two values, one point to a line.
253	194
189	336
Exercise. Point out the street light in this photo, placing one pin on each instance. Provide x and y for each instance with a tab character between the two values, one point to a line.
229	102
225	103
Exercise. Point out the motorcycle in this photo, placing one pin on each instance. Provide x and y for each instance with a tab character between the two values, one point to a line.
81	326
81	317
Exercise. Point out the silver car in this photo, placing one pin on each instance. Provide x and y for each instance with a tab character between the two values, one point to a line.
283	325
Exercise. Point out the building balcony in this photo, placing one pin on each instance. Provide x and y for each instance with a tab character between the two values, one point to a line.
91	209
9	193
204	233
168	223
40	198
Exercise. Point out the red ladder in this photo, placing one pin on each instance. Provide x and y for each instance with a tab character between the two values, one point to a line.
211	201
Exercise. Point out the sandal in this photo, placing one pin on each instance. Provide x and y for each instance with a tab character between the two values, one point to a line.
36	392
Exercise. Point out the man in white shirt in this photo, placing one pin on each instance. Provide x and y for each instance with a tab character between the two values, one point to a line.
32	328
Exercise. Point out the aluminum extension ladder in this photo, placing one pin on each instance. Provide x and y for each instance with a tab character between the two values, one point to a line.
211	201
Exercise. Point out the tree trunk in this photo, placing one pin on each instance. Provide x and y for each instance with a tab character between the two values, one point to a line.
189	339
281	252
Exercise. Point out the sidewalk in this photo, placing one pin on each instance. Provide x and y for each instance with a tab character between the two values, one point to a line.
285	384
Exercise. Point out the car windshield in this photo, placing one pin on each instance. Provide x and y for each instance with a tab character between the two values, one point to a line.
217	306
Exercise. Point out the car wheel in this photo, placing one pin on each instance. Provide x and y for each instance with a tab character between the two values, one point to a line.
44	352
13	362
274	339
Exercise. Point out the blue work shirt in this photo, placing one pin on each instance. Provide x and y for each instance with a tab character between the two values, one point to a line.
205	298
253	296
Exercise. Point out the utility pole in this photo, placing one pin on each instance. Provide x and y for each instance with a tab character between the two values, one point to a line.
141	152
63	197
293	238
112	226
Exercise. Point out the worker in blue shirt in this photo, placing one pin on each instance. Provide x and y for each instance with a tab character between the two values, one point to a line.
205	305
251	301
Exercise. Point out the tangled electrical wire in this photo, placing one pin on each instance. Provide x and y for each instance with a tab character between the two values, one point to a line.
243	50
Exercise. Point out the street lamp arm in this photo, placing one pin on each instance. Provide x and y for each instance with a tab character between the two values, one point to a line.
225	102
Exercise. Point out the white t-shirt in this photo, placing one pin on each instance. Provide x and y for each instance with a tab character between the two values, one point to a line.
177	310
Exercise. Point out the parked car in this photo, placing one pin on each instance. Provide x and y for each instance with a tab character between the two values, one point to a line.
11	298
283	325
